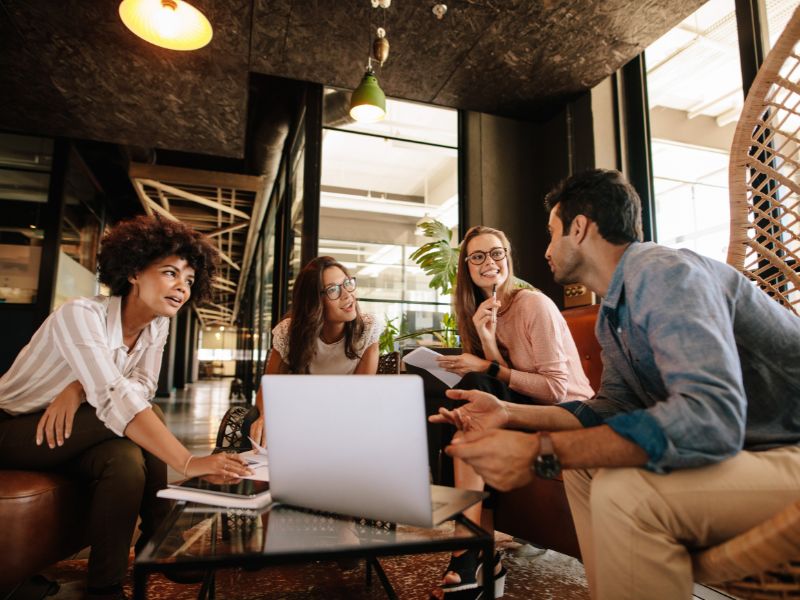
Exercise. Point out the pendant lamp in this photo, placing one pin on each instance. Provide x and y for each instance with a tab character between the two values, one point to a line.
368	102
172	24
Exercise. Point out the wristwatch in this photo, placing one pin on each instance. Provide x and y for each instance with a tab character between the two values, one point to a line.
493	369
546	465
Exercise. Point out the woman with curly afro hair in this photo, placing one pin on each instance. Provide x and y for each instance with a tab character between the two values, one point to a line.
77	398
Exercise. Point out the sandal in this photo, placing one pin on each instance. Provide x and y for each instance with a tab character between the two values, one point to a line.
470	572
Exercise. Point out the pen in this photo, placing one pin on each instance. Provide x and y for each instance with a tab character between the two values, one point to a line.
494	298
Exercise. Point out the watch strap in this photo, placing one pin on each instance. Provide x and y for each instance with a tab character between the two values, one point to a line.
493	369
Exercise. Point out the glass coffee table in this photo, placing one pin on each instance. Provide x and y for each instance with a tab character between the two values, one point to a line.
202	539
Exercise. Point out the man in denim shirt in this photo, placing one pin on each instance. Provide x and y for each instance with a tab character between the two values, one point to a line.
694	434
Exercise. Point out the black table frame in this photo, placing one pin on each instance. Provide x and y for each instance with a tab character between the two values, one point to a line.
483	542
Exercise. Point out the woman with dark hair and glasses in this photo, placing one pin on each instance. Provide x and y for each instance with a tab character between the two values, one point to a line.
77	398
325	332
518	347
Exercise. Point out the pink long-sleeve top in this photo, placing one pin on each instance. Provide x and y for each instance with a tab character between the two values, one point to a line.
545	364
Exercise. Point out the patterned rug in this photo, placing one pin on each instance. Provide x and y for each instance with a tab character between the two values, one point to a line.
532	573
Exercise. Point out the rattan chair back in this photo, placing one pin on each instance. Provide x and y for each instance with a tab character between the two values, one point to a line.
764	562
765	175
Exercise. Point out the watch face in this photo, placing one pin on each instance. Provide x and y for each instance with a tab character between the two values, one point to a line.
547	466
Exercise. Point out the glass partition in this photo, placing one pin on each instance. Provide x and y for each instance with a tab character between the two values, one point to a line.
378	181
25	164
80	234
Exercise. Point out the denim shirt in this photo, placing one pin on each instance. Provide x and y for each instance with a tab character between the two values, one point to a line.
698	363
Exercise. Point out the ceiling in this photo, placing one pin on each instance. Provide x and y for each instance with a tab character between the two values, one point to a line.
71	68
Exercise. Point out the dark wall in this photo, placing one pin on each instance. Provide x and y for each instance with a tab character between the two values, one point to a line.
17	322
510	165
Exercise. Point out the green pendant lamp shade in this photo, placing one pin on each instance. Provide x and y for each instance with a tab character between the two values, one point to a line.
368	102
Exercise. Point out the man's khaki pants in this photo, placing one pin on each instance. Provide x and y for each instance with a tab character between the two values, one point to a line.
636	528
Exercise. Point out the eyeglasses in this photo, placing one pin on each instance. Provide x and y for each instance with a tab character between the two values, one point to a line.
479	257
334	291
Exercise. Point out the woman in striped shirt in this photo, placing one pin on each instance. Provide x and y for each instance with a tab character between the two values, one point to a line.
77	398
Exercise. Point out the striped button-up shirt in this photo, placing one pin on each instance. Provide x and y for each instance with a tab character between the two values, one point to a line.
82	341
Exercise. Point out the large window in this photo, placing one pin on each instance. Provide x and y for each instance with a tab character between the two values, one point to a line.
378	181
695	94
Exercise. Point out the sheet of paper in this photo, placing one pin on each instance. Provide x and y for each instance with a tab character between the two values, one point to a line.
425	358
257	449
214	499
258	464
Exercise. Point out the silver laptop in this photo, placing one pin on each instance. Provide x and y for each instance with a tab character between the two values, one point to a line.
355	445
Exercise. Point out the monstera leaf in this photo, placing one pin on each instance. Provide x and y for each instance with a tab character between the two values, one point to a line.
437	258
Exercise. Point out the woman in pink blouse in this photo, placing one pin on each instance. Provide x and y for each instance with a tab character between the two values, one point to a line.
517	346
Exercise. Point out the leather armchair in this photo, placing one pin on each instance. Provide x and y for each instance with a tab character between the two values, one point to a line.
43	520
539	512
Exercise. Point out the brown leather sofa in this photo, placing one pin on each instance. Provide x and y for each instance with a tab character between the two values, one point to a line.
43	519
539	511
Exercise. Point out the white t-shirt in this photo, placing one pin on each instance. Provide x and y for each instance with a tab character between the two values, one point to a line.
329	359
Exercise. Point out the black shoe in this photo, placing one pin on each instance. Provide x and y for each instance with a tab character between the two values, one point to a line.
469	570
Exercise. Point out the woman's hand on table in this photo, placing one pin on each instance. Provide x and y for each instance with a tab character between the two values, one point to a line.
224	464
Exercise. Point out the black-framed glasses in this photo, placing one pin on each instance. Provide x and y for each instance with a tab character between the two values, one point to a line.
479	257
334	291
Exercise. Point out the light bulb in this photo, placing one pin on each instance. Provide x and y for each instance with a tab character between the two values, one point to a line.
367	113
167	19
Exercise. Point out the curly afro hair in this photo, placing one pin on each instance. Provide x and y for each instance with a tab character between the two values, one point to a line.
131	246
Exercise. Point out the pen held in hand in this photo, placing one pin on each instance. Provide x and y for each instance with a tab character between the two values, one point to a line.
494	299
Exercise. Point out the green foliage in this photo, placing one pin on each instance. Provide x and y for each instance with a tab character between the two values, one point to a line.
448	336
438	259
523	285
388	336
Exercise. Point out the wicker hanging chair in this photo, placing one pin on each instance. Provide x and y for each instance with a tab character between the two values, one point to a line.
765	175
764	562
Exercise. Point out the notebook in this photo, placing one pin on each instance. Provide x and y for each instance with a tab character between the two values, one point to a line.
355	445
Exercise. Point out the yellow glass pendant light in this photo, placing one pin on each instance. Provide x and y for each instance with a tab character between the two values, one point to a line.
172	24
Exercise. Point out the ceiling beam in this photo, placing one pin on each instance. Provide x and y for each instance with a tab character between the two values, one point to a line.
179	175
194	198
149	205
229	228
